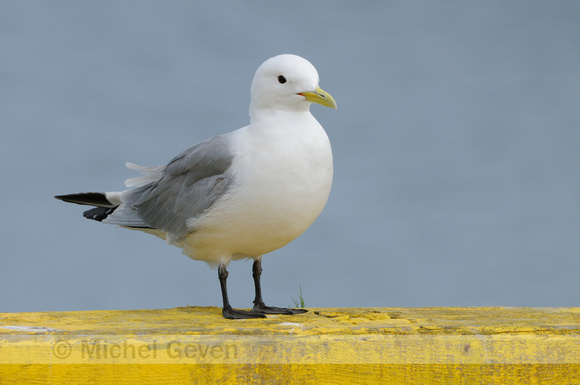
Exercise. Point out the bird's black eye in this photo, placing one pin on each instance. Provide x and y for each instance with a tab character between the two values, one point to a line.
281	79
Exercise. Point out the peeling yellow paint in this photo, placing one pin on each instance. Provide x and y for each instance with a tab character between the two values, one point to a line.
338	346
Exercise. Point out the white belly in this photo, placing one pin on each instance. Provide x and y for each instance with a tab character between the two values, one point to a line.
279	191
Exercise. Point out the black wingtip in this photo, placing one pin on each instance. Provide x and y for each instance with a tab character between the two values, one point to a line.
98	213
88	199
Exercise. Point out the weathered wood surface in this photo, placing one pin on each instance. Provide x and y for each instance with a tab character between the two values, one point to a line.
326	345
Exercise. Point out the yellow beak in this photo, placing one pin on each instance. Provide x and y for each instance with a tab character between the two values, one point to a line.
320	96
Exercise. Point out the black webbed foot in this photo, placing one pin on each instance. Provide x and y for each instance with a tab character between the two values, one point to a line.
231	313
262	308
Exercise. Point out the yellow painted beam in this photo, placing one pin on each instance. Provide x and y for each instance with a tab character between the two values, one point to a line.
335	346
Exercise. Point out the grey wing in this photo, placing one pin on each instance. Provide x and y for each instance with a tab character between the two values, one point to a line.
190	184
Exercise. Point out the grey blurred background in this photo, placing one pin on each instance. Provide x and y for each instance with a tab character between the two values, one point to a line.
456	147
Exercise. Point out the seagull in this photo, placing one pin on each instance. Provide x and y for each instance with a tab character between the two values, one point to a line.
238	195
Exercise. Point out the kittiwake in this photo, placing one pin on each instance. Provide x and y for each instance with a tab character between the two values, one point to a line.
238	195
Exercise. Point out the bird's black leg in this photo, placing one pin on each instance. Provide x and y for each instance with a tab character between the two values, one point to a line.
227	310
259	305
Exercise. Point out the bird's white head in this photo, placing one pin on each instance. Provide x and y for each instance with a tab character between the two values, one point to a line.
287	82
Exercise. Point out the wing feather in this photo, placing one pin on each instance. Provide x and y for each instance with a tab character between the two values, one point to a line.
188	186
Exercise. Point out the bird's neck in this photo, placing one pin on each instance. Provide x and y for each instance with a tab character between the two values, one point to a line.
274	117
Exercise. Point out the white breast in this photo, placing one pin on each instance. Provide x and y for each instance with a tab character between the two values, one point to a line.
283	179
